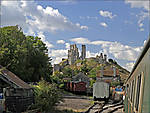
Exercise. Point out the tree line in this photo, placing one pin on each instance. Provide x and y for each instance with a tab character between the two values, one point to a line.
26	56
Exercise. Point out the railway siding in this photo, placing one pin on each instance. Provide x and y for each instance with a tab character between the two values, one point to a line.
102	107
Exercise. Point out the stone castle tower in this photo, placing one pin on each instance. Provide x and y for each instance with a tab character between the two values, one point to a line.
102	58
73	54
83	54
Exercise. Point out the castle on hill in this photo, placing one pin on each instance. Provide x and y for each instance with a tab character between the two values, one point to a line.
73	56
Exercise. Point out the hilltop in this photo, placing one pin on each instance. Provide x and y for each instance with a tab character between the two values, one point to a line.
90	67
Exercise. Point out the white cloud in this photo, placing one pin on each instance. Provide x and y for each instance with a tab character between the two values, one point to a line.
84	27
57	55
139	4
29	15
88	17
91	54
42	36
129	66
140	24
67	46
103	24
145	42
106	14
118	50
141	29
80	40
141	17
60	41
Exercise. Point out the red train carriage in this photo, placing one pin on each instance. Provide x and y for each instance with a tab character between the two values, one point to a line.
79	87
71	86
76	86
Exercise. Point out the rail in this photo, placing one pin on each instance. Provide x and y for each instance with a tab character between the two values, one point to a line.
102	107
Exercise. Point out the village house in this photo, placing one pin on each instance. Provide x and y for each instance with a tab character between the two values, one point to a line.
81	77
15	91
109	74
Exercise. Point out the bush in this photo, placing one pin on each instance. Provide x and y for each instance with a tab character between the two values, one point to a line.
61	86
46	96
115	83
92	82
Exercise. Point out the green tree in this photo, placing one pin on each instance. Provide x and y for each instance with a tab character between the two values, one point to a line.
67	71
26	56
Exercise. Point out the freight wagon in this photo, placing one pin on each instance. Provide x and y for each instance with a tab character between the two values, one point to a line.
101	90
137	95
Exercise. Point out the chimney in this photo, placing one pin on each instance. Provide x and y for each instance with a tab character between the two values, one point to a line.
83	54
102	71
105	57
114	69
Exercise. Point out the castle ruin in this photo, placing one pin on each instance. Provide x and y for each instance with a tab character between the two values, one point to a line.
73	54
83	53
102	58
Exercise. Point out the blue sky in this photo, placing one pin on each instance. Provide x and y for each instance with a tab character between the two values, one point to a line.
118	29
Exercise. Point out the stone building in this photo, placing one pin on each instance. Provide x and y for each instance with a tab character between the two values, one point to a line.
105	58
56	67
102	59
73	54
108	74
83	53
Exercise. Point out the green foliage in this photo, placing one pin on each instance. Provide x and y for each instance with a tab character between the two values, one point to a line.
26	56
78	61
67	71
46	96
92	82
84	68
57	77
61	86
115	83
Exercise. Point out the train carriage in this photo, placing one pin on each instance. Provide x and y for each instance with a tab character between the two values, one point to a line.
137	95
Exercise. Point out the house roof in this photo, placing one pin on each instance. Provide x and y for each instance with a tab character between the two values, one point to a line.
81	76
12	79
108	72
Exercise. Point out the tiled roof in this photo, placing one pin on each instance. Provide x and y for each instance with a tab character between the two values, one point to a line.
11	77
108	72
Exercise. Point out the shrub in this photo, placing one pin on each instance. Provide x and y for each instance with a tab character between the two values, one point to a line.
115	83
46	96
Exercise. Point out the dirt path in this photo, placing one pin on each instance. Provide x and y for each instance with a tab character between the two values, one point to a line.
76	103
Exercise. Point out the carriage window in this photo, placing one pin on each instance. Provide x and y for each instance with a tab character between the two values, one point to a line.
132	91
138	92
129	91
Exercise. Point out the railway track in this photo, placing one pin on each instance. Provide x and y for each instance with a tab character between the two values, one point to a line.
102	107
